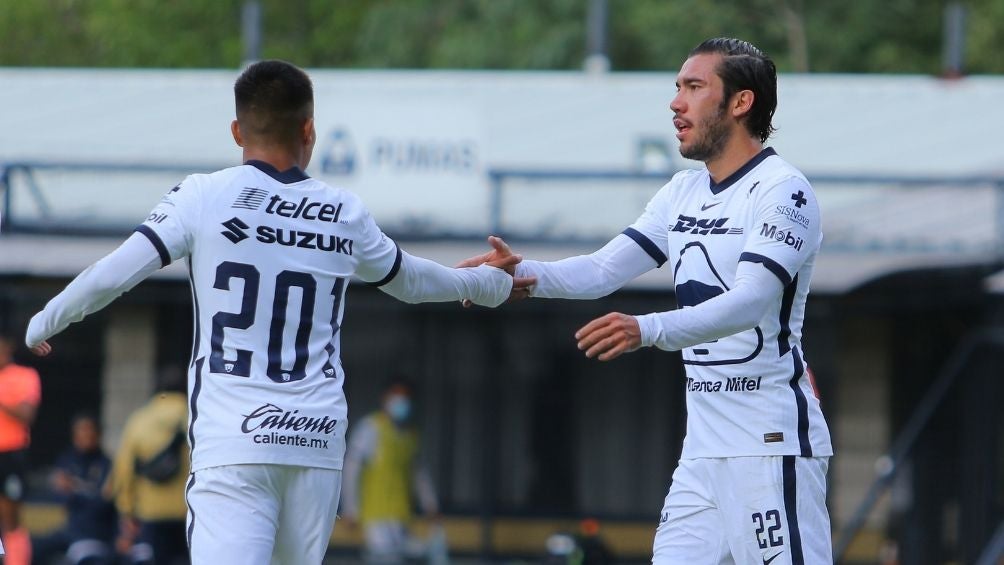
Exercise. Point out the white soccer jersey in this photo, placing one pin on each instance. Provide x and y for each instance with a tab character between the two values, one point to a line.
270	255
748	394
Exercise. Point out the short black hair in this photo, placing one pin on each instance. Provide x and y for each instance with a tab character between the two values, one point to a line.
273	99
745	67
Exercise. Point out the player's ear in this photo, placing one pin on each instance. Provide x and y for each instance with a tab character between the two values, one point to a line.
235	130
309	132
742	103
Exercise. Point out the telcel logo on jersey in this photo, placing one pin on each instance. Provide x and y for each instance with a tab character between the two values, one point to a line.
793	214
267	423
771	232
320	211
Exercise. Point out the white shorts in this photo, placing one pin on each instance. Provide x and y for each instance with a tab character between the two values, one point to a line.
278	514
746	510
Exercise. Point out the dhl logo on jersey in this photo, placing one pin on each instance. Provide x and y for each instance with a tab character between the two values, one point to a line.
703	226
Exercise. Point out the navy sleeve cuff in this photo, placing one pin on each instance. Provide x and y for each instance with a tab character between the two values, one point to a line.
393	270
158	244
646	244
771	265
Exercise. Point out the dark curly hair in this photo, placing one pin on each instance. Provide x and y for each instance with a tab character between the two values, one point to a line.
745	67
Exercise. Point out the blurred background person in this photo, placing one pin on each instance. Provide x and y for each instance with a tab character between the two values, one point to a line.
382	468
149	475
585	548
20	394
81	471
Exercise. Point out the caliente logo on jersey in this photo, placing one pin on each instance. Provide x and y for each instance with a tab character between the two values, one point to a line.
270	424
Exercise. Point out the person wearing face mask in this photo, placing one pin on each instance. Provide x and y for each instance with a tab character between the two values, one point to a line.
381	471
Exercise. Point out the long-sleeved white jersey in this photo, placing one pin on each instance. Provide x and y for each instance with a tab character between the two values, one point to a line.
742	253
270	255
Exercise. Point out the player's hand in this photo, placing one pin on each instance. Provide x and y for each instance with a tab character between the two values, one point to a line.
507	263
521	287
502	257
500	250
41	349
609	336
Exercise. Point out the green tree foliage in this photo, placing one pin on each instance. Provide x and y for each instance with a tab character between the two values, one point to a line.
888	36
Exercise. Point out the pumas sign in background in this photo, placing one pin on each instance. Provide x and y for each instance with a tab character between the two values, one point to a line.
410	166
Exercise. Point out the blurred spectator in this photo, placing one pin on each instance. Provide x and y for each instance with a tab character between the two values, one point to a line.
381	467
20	393
594	551
586	548
149	475
88	536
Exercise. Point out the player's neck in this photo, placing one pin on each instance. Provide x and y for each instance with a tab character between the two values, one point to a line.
280	158
738	151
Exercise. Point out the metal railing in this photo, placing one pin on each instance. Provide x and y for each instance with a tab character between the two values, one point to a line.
23	176
889	464
862	213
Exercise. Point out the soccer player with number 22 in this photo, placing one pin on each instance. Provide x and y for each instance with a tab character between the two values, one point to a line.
741	236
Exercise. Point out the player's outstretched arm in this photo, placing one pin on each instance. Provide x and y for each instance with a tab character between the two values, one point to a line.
733	311
92	290
422	280
581	277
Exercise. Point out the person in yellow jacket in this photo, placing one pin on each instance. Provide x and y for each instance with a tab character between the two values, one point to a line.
149	475
381	470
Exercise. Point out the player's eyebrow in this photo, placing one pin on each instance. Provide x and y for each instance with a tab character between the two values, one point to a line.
689	81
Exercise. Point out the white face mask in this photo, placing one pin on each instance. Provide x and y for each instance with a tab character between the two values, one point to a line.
398	408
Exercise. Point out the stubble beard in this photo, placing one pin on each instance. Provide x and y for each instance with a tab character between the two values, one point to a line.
712	143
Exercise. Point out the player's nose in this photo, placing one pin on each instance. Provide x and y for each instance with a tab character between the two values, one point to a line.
676	104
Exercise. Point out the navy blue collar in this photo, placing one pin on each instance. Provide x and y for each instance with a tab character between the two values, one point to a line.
289	176
749	166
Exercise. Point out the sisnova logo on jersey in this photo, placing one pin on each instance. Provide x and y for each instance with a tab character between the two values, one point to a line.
255	199
271	425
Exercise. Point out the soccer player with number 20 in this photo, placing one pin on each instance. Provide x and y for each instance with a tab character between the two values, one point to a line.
270	252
